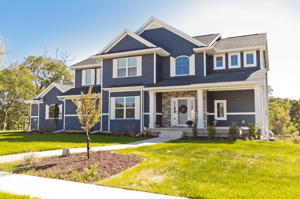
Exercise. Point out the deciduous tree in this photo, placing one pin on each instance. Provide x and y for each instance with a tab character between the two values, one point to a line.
89	110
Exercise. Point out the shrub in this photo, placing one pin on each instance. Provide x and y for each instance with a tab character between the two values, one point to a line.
195	133
252	130
189	122
90	174
295	138
28	159
234	130
211	131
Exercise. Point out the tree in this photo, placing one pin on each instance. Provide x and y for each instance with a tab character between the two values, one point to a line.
2	51
270	91
295	113
48	70
89	109
16	86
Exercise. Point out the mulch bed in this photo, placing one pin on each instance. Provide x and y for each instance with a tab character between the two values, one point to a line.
74	168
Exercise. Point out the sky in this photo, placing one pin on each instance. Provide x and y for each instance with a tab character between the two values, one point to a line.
83	28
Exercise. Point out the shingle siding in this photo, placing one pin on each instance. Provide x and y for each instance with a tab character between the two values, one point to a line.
34	109
126	44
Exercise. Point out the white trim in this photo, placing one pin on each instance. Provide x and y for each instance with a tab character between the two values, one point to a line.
212	50
257	104
64	114
152	109
116	89
109	112
141	112
200	108
104	114
210	113
254	59
34	116
124	33
135	108
42	94
216	109
170	28
159	114
67	97
102	99
154	68
261	59
190	114
239	60
47	111
85	66
71	115
146	113
240	113
39	116
217	37
190	73
161	52
223	60
127	67
204	63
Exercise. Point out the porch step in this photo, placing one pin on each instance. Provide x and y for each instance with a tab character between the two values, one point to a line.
171	134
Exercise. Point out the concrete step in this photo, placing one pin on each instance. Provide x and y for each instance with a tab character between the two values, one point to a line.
175	134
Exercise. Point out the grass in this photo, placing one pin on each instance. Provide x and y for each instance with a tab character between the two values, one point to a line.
13	196
215	169
13	142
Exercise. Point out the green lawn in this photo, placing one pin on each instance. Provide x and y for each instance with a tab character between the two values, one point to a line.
13	142
216	169
13	196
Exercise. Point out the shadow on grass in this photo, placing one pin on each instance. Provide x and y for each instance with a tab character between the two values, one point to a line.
26	137
204	141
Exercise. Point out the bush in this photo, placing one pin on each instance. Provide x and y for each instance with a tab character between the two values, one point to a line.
195	132
189	122
295	138
211	131
234	130
252	130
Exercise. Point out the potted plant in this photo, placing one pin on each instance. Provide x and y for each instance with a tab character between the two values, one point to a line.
158	124
190	123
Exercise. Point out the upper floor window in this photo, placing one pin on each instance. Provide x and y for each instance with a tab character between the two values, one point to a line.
219	62
183	65
99	76
250	59
234	60
88	77
127	67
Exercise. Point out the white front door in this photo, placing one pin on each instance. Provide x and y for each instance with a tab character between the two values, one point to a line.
182	110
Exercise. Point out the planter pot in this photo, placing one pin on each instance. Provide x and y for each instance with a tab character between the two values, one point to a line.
190	126
157	125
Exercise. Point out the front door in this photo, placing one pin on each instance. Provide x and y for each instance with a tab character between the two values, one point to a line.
182	110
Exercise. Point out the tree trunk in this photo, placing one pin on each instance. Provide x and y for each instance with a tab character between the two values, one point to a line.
88	144
4	125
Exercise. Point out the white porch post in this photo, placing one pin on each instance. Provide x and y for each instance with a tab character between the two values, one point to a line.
200	108
257	104
152	109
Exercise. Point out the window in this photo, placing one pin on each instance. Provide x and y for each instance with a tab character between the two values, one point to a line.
220	110
219	62
250	59
234	60
88	77
183	65
50	110
127	67
125	108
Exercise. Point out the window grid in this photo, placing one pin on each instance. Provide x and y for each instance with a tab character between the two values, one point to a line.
127	107
219	61
234	60
127	67
183	65
250	59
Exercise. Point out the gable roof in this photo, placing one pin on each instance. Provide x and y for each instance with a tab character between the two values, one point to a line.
62	87
89	62
153	23
246	41
77	91
208	39
121	36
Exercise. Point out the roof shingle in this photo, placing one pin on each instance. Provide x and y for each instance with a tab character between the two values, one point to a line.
207	39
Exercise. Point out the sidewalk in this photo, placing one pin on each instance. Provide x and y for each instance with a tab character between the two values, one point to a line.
59	189
15	157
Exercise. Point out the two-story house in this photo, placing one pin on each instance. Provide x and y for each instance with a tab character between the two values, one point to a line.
161	74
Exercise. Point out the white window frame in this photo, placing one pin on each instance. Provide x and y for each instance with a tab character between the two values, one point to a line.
127	67
189	65
47	111
125	108
99	76
215	62
225	109
254	59
86	78
239	60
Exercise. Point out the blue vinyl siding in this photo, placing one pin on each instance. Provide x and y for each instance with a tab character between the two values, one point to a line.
125	94
128	43
158	68
34	109
233	118
70	107
146	121
146	78
34	123
49	99
104	119
146	102
78	77
72	123
105	103
125	125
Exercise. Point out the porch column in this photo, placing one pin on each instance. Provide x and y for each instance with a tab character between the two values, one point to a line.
258	106
152	109
200	108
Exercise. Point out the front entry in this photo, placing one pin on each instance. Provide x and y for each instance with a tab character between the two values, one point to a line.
182	110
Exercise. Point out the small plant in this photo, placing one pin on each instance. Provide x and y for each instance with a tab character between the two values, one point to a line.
190	123
211	131
295	138
28	159
234	130
247	139
90	174
252	130
195	132
71	170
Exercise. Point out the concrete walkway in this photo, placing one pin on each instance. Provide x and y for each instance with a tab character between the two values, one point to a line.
59	189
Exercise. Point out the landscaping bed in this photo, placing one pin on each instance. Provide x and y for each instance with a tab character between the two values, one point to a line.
76	167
